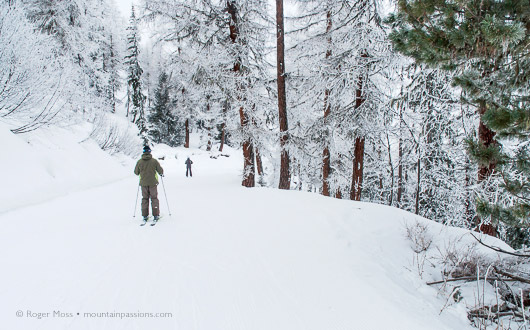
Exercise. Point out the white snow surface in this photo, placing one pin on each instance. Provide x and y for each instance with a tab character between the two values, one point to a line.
52	162
227	257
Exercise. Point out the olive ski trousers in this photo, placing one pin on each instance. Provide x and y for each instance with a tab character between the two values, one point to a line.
150	192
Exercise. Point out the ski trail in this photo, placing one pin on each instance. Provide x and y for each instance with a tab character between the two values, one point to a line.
228	258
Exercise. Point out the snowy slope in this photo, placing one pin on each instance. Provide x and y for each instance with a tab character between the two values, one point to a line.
51	162
227	258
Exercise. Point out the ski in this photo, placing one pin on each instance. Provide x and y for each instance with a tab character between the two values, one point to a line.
144	222
155	221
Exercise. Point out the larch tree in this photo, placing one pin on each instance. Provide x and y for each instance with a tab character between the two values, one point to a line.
431	134
341	49
29	72
285	171
79	51
222	67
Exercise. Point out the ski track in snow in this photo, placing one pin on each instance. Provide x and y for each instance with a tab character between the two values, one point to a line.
227	258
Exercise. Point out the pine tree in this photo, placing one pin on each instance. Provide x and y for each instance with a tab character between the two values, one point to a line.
112	65
135	96
158	113
485	44
163	124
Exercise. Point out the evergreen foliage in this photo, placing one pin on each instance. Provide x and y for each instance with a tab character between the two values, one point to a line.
135	96
485	43
164	126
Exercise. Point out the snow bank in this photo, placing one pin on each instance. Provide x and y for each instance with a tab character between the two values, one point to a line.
48	163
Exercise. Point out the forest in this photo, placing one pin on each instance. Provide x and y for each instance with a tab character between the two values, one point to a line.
420	105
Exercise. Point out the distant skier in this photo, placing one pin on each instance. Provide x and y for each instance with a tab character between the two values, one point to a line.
188	163
148	169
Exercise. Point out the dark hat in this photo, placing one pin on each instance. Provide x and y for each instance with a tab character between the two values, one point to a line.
147	149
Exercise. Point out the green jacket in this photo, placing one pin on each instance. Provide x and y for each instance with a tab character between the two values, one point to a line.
147	168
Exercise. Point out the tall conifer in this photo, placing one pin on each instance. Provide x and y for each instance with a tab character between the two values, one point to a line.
135	97
485	43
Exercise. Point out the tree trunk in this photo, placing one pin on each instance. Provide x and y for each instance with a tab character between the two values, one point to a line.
209	129
248	148
358	165
222	137
487	138
338	194
400	171
187	141
223	126
326	169
418	186
113	102
400	158
285	176
259	163
358	161
391	167
326	161
248	155
467	185
248	174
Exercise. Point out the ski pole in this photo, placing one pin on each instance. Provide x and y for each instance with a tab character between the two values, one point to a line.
163	187
136	202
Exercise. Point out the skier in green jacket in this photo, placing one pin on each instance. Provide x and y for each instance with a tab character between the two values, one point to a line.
148	169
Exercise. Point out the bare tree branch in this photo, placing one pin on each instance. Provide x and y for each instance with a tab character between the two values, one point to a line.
498	249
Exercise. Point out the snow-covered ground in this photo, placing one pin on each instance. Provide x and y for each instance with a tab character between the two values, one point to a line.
227	258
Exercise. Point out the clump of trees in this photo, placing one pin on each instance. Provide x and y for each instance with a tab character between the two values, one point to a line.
483	46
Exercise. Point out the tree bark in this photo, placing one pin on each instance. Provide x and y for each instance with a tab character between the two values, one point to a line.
209	129
400	161
187	141
248	155
285	176
338	194
391	168
222	137
259	163
358	165
326	161
418	186
467	185
358	161
326	170
223	126
487	138
248	148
